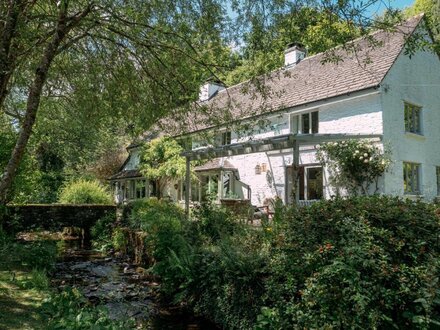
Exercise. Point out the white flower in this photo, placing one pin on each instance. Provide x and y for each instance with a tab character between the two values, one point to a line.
356	152
366	161
383	162
371	159
360	158
365	155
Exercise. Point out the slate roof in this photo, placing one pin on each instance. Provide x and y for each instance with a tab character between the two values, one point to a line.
125	174
215	164
363	65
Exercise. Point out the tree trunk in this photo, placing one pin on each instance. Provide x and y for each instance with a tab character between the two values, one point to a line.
8	31
34	96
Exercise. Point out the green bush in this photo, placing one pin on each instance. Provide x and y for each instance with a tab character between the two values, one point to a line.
85	192
102	232
358	263
39	255
70	310
164	224
214	222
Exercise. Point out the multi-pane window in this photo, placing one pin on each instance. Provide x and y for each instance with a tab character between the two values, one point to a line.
306	123
411	178
226	138
310	183
437	169
413	118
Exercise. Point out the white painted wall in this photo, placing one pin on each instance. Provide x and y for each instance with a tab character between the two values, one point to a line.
357	115
417	81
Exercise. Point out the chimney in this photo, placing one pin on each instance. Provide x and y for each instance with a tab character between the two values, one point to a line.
209	89
294	53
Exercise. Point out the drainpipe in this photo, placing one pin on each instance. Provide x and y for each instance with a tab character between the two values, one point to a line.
296	170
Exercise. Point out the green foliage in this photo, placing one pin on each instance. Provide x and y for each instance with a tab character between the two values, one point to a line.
318	30
164	224
214	222
119	240
70	310
354	164
161	161
369	262
357	263
85	192
431	9
102	232
38	255
38	280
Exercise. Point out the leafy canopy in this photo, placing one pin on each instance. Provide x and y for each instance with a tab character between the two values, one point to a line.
161	158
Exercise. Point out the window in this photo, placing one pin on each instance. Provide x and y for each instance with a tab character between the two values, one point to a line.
141	189
413	118
306	123
438	179
226	138
185	142
411	178
310	183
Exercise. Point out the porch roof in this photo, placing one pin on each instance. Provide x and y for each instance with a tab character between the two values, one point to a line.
279	142
215	164
125	174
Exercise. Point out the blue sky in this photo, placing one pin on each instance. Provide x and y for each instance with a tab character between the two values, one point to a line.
379	8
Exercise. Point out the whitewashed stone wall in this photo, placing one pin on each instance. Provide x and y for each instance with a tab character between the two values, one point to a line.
361	114
417	81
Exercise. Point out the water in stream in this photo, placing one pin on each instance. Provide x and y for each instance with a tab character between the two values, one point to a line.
124	289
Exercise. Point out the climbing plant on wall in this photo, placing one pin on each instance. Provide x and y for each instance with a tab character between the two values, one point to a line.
354	165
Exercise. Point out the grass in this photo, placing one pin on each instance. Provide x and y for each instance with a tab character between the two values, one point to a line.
20	301
23	282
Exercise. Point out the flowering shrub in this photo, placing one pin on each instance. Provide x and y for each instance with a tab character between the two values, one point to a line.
354	164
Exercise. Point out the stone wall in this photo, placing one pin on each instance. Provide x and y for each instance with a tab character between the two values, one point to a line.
54	216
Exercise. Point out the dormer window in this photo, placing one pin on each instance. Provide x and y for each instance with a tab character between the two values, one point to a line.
306	123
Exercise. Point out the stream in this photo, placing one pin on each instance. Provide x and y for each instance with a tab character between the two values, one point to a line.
124	289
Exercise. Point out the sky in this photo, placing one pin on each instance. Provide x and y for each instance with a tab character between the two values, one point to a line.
380	7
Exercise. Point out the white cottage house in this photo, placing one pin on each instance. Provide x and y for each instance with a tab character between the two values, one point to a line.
378	92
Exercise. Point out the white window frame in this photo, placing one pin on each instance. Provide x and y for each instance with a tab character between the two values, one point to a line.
418	126
289	182
415	169
296	122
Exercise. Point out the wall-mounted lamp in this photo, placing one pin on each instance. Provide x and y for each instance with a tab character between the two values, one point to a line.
258	169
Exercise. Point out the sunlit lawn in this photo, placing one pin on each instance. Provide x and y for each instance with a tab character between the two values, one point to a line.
19	303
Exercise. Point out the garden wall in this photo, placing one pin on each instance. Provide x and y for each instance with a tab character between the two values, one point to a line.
54	216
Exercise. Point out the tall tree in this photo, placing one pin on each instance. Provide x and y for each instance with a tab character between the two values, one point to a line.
431	8
126	63
107	38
